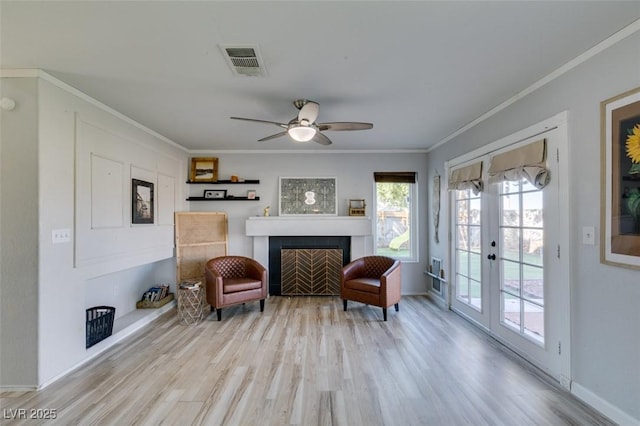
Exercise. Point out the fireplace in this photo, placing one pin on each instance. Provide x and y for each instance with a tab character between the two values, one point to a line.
307	265
351	234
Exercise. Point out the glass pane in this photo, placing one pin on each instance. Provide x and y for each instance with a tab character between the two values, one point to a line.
532	209
460	194
475	243
509	187
532	246
475	290
462	288
475	266
462	237
533	284
475	211
510	243
510	205
463	213
534	321
511	311
393	217
511	277
463	262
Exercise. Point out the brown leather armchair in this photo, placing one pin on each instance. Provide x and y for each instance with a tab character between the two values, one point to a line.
231	280
374	280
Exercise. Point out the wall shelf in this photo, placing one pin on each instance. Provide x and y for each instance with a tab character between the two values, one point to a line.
226	182
223	199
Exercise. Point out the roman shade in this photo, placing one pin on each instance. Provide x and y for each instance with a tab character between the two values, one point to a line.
395	177
528	161
467	177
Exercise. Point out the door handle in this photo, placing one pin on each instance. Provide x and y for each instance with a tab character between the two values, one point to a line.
491	256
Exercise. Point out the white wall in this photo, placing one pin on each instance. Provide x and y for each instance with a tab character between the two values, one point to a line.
605	312
108	261
19	231
354	173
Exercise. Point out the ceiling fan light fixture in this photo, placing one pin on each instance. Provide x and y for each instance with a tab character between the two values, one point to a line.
301	133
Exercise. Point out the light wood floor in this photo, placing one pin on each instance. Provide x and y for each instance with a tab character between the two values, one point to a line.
305	361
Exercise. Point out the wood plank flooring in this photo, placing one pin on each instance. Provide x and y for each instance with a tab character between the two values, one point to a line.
306	362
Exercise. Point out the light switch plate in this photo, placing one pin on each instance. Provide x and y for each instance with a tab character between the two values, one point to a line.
588	235
59	236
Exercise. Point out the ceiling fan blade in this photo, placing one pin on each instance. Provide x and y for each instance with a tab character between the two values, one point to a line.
309	112
277	135
261	121
345	126
321	139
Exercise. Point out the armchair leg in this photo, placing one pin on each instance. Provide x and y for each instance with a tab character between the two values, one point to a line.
219	312
397	307
344	304
384	313
261	305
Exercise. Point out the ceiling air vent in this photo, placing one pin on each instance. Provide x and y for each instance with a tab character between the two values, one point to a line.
244	60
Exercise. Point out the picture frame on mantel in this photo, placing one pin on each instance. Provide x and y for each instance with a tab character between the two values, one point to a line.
620	180
141	202
301	196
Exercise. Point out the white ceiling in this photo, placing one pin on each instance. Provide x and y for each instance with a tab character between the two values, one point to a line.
418	70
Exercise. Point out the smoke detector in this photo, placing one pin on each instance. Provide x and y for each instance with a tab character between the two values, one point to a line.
244	60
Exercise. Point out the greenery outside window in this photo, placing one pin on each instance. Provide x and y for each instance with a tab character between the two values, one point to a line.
395	215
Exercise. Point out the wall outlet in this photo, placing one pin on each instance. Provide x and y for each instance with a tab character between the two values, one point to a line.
588	235
59	236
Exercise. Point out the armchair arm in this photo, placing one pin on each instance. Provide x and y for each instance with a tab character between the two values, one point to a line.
352	270
390	284
253	269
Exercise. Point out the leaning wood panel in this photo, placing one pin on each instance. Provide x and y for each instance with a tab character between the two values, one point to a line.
200	236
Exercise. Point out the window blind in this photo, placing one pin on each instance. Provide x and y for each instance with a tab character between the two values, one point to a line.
395	177
528	161
467	177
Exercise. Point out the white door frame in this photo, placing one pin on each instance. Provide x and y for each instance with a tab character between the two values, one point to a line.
560	122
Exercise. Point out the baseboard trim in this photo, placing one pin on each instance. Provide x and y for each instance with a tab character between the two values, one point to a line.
604	407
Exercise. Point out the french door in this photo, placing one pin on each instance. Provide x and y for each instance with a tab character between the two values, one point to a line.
508	273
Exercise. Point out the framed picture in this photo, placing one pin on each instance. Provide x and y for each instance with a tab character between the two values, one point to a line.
251	194
204	169
141	201
620	176
215	193
305	196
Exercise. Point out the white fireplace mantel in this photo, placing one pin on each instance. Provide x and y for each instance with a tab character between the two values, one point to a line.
308	225
357	227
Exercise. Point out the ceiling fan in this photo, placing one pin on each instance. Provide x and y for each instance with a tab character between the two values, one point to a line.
304	128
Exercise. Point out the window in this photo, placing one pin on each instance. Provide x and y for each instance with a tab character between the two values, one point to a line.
396	218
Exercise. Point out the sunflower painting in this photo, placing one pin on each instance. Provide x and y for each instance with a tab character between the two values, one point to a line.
620	226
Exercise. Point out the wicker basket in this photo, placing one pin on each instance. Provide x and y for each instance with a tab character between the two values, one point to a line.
144	304
99	323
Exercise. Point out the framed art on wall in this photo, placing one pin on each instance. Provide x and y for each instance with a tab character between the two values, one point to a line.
204	169
215	193
308	196
620	204
141	201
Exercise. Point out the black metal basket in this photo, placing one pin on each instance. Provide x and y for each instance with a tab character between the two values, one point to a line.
99	323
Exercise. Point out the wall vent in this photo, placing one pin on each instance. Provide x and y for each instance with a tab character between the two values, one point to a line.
244	60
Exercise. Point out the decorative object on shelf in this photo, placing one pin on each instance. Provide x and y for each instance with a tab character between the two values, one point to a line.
155	297
141	201
234	178
204	169
620	174
308	196
356	208
265	212
215	193
251	194
435	202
